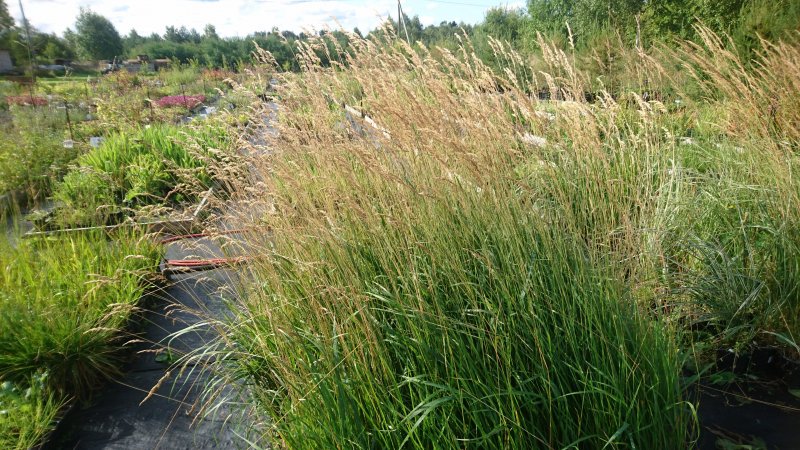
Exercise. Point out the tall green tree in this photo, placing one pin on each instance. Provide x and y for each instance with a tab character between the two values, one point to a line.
6	26
210	32
96	36
586	17
504	24
551	16
6	21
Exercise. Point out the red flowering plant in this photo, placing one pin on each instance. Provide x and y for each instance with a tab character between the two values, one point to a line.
216	74
188	101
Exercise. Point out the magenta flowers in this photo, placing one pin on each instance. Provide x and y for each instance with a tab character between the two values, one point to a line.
188	101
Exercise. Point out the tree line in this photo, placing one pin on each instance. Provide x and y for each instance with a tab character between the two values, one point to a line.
648	22
582	24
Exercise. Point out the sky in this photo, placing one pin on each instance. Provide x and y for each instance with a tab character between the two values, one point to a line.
242	17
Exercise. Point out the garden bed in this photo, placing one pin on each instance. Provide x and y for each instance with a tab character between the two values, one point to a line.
176	224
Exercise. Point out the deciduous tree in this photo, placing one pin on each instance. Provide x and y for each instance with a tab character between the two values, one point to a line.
96	36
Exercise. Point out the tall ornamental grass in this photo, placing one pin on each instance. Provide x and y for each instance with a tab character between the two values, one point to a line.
457	320
733	246
450	263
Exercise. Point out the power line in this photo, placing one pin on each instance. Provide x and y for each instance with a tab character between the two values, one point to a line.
295	2
460	3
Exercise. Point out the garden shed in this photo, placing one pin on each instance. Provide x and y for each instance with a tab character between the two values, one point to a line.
5	61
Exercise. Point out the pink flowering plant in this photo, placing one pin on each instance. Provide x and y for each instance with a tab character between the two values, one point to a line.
188	101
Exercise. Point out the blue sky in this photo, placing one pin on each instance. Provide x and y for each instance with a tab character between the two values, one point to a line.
241	17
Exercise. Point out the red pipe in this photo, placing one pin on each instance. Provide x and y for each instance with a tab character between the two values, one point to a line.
202	264
205	262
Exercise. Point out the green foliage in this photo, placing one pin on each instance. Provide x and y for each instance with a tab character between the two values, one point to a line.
6	21
733	249
660	21
64	307
767	19
514	273
212	51
45	47
27	412
488	336
465	285
584	17
96	36
508	27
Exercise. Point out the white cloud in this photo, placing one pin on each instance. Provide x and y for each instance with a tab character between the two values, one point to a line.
237	17
231	17
427	20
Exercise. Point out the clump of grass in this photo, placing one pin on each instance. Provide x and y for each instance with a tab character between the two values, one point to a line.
732	245
454	263
768	84
403	332
65	304
420	286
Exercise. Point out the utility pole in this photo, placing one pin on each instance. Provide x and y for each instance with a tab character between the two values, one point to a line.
30	52
183	92
638	32
401	19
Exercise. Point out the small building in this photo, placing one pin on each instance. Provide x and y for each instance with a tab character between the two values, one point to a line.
5	61
161	63
137	65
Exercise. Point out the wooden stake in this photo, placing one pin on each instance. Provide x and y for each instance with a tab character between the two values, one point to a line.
69	122
30	53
